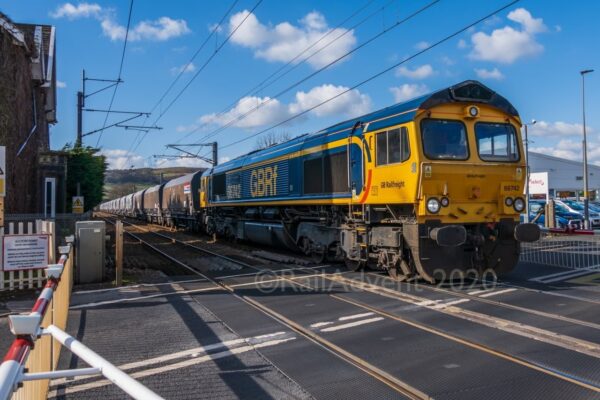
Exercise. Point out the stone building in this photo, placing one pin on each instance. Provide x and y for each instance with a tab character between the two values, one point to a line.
27	109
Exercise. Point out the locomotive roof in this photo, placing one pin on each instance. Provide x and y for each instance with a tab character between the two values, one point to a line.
470	91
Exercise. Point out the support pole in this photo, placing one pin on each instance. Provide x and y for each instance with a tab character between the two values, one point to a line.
79	140
215	154
119	253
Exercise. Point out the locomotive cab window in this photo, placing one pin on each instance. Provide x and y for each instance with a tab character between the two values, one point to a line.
392	146
496	142
444	139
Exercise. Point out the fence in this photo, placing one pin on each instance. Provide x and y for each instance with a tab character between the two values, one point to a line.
65	223
32	358
563	250
32	278
44	356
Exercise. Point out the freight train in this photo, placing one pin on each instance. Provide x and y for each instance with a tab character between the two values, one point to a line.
429	188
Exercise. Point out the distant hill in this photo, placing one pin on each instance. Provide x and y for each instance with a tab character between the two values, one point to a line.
119	182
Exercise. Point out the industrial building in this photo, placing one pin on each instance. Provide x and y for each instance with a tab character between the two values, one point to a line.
565	177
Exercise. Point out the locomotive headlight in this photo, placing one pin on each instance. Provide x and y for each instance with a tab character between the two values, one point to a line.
508	201
445	201
519	204
433	205
471	111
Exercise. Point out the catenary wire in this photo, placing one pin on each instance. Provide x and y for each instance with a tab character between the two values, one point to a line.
112	99
377	75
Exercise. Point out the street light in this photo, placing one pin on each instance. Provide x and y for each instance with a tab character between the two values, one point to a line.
533	121
586	221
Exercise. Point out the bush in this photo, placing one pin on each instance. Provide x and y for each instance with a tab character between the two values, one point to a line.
87	169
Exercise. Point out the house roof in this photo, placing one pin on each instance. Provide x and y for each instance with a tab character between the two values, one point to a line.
8	26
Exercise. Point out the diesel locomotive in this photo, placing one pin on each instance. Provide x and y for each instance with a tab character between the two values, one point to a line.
429	188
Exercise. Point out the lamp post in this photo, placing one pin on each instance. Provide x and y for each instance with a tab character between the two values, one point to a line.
533	121
586	221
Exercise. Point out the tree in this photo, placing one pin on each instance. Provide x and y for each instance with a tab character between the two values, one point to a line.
271	139
88	169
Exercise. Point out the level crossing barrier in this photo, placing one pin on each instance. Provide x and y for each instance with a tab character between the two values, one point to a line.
564	248
32	358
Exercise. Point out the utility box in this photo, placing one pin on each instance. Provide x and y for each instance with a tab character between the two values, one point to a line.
89	245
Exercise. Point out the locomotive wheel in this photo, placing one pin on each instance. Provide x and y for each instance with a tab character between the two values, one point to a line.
355	265
319	256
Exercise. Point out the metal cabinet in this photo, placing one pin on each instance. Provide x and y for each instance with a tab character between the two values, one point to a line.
90	239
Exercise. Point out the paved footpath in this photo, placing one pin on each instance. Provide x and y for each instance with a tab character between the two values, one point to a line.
173	345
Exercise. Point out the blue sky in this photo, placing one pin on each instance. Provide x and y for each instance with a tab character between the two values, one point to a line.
531	53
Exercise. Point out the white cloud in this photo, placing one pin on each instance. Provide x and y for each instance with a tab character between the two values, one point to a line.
422	72
350	104
559	128
180	162
81	10
448	61
185	128
422	45
508	44
61	84
462	44
215	27
162	29
489	73
408	91
271	112
185	68
122	159
282	42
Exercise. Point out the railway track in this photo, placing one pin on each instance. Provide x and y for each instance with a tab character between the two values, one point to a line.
301	273
391	381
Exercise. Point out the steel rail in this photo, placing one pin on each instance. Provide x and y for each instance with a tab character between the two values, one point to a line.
381	375
497	303
308	334
467	342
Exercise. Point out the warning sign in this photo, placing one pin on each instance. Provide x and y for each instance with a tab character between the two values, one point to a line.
2	171
24	252
77	204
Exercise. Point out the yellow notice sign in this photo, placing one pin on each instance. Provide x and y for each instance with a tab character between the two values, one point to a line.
77	204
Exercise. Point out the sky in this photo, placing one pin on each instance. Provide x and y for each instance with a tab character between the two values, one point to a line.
233	71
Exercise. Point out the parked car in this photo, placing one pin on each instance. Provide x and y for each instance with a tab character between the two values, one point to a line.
563	218
575	206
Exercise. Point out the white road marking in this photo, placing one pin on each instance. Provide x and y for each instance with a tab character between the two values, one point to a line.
544	278
498	292
355	316
426	303
194	352
320	324
167	368
566	277
179	292
475	292
140	285
351	324
448	304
